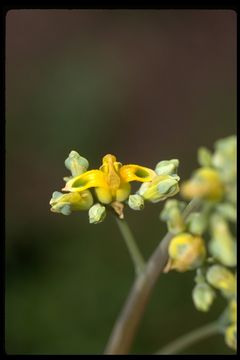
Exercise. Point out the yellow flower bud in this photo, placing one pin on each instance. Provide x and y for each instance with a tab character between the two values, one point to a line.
233	311
222	279
66	203
231	336
205	183
203	296
186	252
160	188
222	245
97	214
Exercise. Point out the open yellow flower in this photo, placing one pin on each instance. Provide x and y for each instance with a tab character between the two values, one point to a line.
111	181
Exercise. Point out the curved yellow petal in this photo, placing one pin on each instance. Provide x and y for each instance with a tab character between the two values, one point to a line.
92	178
136	173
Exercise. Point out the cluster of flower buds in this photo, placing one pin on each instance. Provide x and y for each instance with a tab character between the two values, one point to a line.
187	249
110	186
206	240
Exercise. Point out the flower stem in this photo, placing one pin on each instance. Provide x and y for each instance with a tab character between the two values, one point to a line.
127	323
138	261
189	339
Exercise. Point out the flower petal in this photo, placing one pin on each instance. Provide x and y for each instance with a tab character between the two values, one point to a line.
136	173
92	178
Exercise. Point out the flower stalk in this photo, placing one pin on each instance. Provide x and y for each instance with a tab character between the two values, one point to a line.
176	346
127	323
137	258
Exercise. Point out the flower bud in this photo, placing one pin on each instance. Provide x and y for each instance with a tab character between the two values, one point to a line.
76	163
197	223
231	336
167	167
97	214
228	211
222	245
222	279
204	157
203	296
231	193
224	158
186	252
233	311
160	188
172	214
205	183
66	203
136	202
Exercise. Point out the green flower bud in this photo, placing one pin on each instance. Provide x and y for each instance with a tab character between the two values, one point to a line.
204	157
224	158
160	188
136	202
197	223
171	213
222	245
203	296
76	164
66	203
167	167
222	279
97	214
231	336
199	278
231	193
228	211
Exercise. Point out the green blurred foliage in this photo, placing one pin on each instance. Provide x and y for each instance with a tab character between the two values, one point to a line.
143	85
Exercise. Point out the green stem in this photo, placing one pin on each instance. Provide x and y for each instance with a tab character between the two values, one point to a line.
138	261
189	339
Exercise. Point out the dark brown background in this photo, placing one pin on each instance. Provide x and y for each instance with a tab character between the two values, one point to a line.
144	85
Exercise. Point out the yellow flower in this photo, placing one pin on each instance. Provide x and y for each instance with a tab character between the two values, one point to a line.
186	252
111	181
205	183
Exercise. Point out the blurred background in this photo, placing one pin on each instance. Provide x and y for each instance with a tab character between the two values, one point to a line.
143	85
